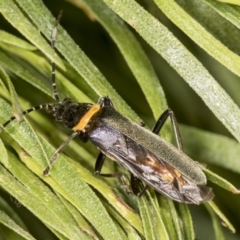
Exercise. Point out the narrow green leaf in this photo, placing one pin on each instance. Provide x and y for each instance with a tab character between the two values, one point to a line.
219	180
39	191
147	219
7	208
214	149
58	235
17	190
5	80
211	148
83	224
186	222
20	70
237	2
155	220
10	39
182	61
132	235
131	232
132	52
213	22
216	224
33	76
14	15
78	60
221	215
199	35
227	11
4	154
170	218
8	222
160	218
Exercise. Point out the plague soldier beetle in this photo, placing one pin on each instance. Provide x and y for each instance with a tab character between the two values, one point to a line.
147	156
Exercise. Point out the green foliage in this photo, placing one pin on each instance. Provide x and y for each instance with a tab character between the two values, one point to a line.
72	203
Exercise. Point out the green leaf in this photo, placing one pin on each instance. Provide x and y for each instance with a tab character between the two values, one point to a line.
8	38
216	224
219	181
148	220
7	221
7	84
37	192
142	69
178	57
218	149
213	21
187	221
221	216
199	35
231	13
15	16
237	2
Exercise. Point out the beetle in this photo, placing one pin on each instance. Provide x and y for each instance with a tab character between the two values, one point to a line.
148	157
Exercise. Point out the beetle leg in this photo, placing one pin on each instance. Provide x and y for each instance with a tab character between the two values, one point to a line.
160	122
135	185
99	164
98	167
58	151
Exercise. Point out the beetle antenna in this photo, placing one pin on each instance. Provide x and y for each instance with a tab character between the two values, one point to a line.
53	40
42	106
